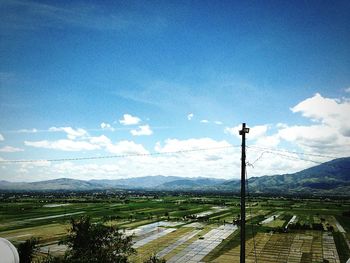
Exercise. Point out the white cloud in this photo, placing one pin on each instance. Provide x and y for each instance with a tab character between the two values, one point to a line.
1	137
333	112
121	147
130	120
347	90
220	160
71	132
190	116
218	122
281	125
88	171
126	147
63	145
106	126
321	136
10	149
331	133
233	130
142	130
101	140
204	121
268	141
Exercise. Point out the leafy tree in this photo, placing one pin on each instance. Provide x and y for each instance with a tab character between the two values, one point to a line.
52	259
154	259
92	243
27	250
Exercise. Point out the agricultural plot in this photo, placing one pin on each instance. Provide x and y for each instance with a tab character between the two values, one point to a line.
144	229
161	232
177	243
214	209
310	246
157	245
197	250
270	219
191	229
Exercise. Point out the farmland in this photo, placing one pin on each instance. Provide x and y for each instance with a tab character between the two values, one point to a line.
188	227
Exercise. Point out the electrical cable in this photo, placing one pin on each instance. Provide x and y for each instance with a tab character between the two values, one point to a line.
296	157
294	152
284	155
118	156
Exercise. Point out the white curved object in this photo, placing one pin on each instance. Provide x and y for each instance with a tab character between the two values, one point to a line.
8	252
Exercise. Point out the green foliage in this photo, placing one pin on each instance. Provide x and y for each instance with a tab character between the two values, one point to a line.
154	259
27	250
51	259
342	247
93	243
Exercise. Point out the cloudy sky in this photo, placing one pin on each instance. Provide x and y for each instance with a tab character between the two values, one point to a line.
99	78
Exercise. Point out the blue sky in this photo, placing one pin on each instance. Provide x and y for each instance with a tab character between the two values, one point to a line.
186	73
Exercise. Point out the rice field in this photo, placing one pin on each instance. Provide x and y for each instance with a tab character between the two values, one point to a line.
311	246
191	229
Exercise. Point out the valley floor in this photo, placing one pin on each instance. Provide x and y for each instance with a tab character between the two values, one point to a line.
190	229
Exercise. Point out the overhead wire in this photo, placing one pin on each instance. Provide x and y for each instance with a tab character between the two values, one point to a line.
293	152
118	156
279	153
298	158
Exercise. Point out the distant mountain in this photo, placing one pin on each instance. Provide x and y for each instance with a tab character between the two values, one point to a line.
328	178
191	184
137	182
64	183
157	182
50	185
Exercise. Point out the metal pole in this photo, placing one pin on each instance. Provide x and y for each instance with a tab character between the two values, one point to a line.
242	251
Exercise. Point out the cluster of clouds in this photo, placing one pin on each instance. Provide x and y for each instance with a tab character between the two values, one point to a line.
129	120
80	140
8	149
221	161
327	132
190	116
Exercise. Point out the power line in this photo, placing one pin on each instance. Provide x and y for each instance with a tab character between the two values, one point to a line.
298	158
284	155
294	152
118	156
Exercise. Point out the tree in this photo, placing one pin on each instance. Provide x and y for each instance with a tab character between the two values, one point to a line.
27	250
92	243
154	259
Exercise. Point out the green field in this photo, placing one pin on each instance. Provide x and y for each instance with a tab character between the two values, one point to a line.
47	217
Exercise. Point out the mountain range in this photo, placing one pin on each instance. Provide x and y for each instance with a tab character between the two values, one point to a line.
330	178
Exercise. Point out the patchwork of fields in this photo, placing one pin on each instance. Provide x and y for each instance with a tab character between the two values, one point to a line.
191	229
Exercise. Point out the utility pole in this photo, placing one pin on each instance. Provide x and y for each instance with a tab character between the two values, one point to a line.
242	251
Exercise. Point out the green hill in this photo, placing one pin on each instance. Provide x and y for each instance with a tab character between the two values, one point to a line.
328	178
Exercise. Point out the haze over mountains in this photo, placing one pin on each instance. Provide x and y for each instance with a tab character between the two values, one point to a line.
331	178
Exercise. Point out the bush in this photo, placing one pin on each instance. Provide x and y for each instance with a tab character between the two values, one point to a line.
93	243
154	259
27	250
